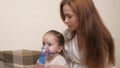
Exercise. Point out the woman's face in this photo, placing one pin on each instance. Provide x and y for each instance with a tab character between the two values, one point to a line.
71	19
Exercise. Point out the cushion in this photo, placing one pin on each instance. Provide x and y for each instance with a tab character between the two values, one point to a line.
18	58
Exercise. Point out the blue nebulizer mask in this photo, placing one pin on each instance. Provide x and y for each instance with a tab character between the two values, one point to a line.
45	52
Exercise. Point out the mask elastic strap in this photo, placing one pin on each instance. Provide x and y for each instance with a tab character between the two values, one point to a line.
54	53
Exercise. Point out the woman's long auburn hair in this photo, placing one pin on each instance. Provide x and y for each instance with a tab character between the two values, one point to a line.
98	45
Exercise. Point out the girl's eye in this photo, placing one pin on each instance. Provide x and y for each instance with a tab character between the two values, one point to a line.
49	44
43	43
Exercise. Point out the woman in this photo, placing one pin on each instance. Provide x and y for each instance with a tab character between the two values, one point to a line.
88	42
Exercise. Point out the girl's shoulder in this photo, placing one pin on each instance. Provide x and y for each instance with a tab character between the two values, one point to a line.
59	60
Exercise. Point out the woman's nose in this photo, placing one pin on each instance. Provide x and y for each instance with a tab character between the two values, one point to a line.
66	20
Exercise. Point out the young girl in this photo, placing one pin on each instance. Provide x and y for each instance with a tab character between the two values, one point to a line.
54	41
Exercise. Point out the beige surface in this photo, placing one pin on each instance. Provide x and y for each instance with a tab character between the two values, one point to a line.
110	13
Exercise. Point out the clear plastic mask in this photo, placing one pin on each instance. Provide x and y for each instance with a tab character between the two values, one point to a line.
45	52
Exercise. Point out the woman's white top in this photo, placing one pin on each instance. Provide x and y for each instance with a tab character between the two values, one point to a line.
72	52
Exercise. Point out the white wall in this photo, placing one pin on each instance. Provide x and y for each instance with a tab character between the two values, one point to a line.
110	13
23	22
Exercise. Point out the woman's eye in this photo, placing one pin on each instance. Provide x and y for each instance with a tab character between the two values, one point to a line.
69	16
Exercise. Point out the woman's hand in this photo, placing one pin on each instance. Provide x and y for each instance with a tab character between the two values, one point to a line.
56	66
40	65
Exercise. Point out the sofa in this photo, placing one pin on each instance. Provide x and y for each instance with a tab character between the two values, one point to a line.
18	58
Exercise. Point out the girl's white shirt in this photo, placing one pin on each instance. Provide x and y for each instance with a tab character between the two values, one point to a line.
58	60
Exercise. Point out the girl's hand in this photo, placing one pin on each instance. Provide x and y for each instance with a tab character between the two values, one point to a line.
40	65
56	66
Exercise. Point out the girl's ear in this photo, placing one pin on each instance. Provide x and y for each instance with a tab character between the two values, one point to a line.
60	48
